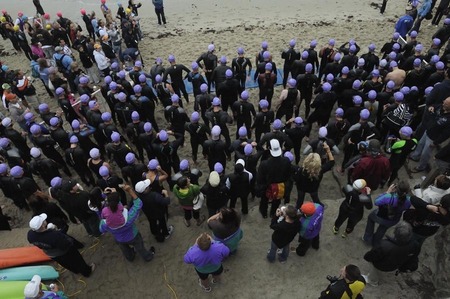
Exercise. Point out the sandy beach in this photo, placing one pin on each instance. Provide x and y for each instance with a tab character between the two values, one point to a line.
192	25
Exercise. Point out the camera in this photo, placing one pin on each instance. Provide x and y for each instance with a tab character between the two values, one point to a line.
332	279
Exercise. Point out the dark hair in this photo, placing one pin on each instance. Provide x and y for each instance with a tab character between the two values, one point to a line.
442	182
239	168
445	202
182	182
291	212
96	197
37	203
113	201
229	215
402	190
352	272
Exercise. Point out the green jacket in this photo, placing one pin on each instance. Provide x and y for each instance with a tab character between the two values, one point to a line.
186	196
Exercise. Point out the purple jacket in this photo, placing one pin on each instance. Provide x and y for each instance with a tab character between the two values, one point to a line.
129	231
207	261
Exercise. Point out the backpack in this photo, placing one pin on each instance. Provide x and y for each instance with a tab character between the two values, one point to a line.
59	63
34	72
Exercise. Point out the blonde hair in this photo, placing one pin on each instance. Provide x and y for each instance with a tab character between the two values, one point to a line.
312	165
204	242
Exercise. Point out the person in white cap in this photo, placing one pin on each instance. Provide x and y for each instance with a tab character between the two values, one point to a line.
215	149
33	290
154	207
58	246
271	178
42	166
357	196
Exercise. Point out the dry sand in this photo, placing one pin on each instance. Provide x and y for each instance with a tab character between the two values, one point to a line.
192	25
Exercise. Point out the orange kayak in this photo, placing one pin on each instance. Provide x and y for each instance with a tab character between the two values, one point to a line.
13	257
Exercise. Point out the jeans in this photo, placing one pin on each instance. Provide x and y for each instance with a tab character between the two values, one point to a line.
130	248
273	250
383	225
423	151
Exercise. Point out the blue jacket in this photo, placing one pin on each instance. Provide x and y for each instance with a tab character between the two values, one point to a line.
404	24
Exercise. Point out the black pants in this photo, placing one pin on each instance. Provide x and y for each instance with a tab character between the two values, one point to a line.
179	88
438	16
74	262
244	202
264	205
353	216
208	75
259	132
286	71
189	213
304	245
301	198
285	111
383	6
288	185
160	14
27	51
194	147
85	175
307	98
158	227
4	224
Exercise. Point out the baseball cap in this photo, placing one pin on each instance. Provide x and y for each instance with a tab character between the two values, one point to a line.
35	224
359	184
275	148
142	185
32	288
308	208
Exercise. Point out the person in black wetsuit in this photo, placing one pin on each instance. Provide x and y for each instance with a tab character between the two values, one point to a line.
218	75
312	56
196	79
266	83
239	67
46	168
228	91
289	56
306	83
218	117
243	111
203	102
175	71
210	63
198	132
263	120
77	158
259	57
215	149
326	56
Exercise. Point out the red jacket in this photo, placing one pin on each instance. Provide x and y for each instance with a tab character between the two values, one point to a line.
374	169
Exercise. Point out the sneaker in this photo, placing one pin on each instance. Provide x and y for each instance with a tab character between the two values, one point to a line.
206	289
335	230
344	235
170	231
279	251
92	267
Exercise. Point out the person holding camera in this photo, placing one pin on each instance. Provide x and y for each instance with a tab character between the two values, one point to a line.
390	209
127	236
349	284
286	225
357	196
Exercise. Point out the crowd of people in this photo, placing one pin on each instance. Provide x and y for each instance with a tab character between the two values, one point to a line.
379	111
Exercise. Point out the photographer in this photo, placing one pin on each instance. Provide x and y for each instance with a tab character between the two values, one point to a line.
349	284
286	225
128	236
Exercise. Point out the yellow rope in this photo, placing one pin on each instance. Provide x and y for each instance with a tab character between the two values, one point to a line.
167	282
79	291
